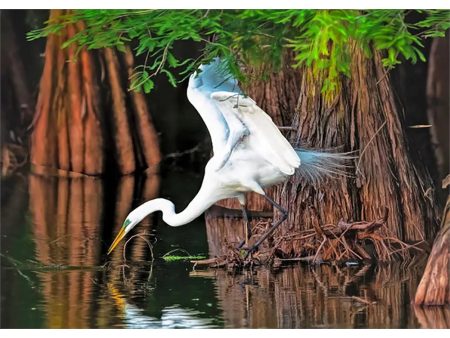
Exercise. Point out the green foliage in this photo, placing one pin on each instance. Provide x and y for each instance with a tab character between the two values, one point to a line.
175	258
171	257
318	39
436	23
186	256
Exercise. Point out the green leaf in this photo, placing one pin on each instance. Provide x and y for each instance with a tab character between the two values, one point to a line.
170	77
173	62
148	86
253	39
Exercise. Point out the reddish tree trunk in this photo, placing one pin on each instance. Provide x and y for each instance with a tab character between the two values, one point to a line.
43	139
121	126
70	124
61	107
147	134
434	288
93	164
75	98
361	116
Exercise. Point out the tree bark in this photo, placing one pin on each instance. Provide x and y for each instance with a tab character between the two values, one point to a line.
434	287
361	116
147	134
61	107
76	132
43	139
94	147
72	117
121	126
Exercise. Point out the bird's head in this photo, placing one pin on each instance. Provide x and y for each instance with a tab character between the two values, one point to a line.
138	214
127	225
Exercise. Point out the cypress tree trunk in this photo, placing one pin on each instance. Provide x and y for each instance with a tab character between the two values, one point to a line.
121	131
76	100
434	287
361	116
43	139
148	138
93	127
75	112
438	101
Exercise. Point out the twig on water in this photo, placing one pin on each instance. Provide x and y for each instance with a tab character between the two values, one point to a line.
144	239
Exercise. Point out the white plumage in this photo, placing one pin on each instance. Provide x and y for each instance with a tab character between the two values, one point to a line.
263	136
250	152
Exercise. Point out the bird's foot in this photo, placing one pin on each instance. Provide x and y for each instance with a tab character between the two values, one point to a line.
246	252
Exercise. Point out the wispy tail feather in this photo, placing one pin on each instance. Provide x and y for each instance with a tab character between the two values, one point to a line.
317	165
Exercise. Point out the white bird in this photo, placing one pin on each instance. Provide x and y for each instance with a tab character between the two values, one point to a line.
250	153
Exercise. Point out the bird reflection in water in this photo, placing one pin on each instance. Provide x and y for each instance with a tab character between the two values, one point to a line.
68	216
173	316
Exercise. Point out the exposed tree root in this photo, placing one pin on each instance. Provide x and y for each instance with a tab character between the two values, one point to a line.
343	242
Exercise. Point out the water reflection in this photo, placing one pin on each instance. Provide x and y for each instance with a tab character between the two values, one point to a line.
322	297
433	317
317	296
67	219
172	316
67	216
61	236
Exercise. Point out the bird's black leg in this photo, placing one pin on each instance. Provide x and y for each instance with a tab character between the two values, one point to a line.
275	225
247	227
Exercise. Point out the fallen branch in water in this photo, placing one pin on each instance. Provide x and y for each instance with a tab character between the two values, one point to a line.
141	236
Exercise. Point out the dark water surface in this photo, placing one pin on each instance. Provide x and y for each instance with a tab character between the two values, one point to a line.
54	237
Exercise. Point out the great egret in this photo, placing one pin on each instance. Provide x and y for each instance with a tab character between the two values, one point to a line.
250	153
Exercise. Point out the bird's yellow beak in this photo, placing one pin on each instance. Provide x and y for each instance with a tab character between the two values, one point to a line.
118	238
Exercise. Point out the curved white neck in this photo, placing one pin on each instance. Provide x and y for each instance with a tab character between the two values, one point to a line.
198	205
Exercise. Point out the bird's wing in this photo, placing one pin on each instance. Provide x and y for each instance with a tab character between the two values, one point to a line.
271	143
225	127
212	117
211	78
